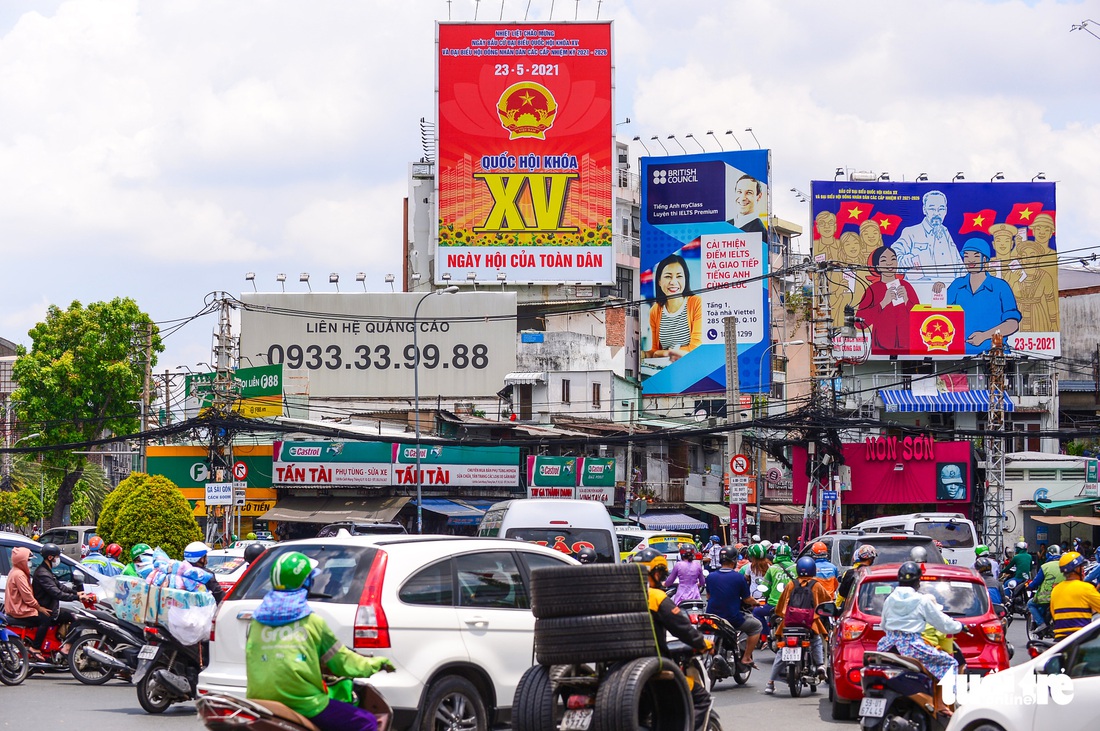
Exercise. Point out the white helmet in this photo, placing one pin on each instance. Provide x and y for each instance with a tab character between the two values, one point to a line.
766	544
755	538
1021	546
195	551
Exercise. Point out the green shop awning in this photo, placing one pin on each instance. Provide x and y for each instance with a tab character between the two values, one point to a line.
1059	504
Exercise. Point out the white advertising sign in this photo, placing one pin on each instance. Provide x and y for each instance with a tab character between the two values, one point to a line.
557	491
605	495
361	343
739	489
458	475
219	493
307	474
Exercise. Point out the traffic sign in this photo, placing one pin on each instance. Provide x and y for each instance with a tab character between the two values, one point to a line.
828	494
739	490
739	464
240	470
219	493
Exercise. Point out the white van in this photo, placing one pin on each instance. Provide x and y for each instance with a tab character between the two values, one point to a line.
564	525
954	532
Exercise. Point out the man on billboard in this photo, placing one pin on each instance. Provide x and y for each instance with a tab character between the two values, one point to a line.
749	192
988	302
949	482
1004	250
926	251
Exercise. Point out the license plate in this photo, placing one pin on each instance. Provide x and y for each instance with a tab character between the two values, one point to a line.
872	707
577	720
148	652
791	654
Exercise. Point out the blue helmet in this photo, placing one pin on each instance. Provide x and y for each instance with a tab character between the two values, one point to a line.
715	539
806	566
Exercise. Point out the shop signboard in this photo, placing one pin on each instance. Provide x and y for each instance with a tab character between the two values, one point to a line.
312	464
525	147
933	270
457	466
255	392
551	477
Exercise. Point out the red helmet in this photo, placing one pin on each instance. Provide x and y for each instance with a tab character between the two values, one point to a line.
95	544
113	550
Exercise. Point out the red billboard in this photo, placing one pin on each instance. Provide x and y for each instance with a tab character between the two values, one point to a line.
525	143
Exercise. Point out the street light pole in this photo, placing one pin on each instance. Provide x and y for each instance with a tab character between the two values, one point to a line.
416	400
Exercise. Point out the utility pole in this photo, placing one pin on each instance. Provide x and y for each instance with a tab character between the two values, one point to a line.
993	507
823	372
146	391
221	441
733	416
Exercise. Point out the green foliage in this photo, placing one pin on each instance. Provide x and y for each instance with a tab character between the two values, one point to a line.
88	495
19	509
10	510
148	509
84	366
29	504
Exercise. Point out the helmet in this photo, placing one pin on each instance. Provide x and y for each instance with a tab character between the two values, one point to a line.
1021	545
766	544
654	561
687	552
586	555
139	549
49	550
729	554
757	551
755	537
1054	551
983	565
113	551
95	544
918	554
253	551
866	553
290	571
819	550
785	539
250	537
806	566
981	550
195	551
1070	562
715	539
909	574
783	550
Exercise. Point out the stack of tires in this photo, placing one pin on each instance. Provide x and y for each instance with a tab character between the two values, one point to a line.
593	629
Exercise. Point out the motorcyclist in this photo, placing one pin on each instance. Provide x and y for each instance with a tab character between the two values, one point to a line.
1094	576
806	568
22	609
287	665
95	561
984	567
585	554
781	573
139	550
254	550
865	555
983	550
686	575
195	554
905	614
1073	601
1020	564
1043	583
826	569
754	572
50	593
111	554
711	552
728	594
672	619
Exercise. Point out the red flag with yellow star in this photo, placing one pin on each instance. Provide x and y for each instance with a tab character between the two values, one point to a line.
887	223
980	221
854	212
1023	214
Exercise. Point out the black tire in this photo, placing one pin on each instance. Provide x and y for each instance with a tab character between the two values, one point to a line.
14	661
84	668
741	672
713	722
153	697
582	591
602	638
840	711
794	679
535	706
453	702
641	694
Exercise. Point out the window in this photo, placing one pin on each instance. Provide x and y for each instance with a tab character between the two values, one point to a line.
565	391
525	398
431	585
490	580
343	571
846	547
1086	658
595	395
536	561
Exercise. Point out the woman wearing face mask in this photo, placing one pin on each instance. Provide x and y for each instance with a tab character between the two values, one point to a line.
49	593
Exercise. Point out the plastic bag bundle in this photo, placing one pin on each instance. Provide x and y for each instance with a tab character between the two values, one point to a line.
190	625
171	574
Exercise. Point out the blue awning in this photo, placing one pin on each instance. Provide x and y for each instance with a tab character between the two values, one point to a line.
458	513
671	521
898	400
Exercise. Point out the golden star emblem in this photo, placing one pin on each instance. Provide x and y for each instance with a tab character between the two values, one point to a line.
1026	214
884	224
854	213
978	221
527	98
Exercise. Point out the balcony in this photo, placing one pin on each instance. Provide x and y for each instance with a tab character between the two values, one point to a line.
627	245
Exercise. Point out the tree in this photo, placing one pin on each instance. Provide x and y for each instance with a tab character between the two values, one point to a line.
78	381
148	509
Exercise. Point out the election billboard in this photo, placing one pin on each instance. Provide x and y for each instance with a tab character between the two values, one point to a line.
361	343
704	238
934	270
525	152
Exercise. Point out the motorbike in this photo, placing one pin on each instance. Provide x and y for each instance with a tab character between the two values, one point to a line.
53	659
106	647
167	670
1016	603
795	653
14	659
729	644
226	713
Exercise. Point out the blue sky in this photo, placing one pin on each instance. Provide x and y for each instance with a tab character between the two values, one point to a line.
161	150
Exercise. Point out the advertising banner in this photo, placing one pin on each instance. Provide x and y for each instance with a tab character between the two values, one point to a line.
361	343
705	221
189	467
525	152
935	269
257	392
458	466
551	476
597	480
890	470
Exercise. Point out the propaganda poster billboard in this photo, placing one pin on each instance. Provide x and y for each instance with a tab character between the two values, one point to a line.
705	222
525	152
935	269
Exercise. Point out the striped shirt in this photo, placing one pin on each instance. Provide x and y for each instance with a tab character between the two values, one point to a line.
1072	604
675	330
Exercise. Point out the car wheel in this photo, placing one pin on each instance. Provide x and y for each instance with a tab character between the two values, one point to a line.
840	711
84	668
601	638
581	591
453	704
153	696
649	693
14	661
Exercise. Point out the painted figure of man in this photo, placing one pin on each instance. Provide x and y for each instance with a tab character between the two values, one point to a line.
926	251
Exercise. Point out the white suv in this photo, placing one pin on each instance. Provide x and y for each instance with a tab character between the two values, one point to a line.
452	613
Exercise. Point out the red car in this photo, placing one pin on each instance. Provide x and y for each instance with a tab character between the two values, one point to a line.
961	593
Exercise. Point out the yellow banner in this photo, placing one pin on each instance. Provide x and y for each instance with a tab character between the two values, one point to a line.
250	509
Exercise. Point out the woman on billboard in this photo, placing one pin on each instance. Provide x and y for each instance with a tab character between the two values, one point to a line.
676	320
886	305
